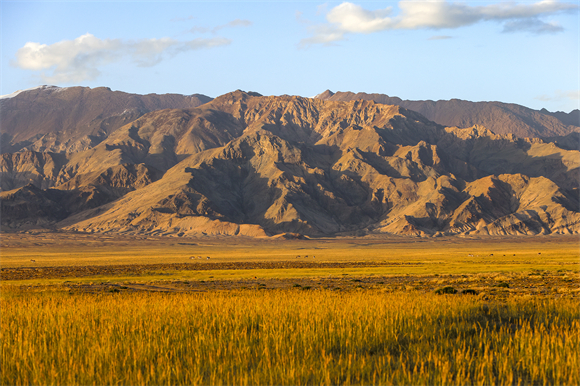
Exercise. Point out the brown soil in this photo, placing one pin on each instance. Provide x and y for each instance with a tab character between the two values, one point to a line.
140	269
485	286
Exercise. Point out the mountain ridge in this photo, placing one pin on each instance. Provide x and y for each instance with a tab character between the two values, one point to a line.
246	164
499	117
50	118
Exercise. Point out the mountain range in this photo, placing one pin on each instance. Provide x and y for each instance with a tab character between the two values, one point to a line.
49	118
96	160
501	118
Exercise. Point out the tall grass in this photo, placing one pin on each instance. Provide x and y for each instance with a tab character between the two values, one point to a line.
286	337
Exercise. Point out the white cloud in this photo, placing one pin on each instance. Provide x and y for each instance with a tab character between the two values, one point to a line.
74	61
437	14
353	18
149	52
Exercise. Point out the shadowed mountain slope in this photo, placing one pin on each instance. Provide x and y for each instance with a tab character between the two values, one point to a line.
55	119
246	164
501	118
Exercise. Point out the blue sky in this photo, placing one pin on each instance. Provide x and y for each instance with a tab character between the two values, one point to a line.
519	52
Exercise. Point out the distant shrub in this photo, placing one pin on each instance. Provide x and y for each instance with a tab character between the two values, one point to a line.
445	290
296	285
469	291
503	284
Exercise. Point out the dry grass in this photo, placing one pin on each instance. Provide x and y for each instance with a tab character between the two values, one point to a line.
427	256
286	337
378	322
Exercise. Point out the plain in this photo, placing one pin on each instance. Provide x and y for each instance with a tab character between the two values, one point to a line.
96	309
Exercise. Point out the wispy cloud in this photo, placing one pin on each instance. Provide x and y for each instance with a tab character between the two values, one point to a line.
231	24
235	23
560	95
436	14
533	25
440	37
322	34
74	61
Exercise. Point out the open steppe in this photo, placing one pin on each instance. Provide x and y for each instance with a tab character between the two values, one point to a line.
103	309
541	265
546	266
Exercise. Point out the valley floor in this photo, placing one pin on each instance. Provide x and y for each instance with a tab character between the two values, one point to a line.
564	282
99	309
545	266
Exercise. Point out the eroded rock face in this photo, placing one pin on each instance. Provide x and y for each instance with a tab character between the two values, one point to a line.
74	119
244	164
501	118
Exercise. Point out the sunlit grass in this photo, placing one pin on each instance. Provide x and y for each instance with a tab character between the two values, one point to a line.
399	332
286	337
445	269
94	250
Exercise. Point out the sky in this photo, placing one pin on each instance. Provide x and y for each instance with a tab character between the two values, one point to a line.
525	52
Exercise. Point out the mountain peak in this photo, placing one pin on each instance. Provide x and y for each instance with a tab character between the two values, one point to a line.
324	95
42	87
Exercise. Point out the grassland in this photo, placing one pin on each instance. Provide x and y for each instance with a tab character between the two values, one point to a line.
103	310
287	337
444	255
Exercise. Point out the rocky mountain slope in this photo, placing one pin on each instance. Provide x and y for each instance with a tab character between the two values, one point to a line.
501	118
245	164
49	118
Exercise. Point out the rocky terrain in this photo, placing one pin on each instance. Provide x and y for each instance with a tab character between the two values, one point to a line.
501	118
55	119
246	164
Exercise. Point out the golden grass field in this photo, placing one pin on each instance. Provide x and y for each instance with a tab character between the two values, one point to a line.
97	309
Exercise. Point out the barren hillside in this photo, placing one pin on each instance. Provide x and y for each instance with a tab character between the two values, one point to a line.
245	164
501	118
55	119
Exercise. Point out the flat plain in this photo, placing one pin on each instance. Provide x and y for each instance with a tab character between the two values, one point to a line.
85	308
45	258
